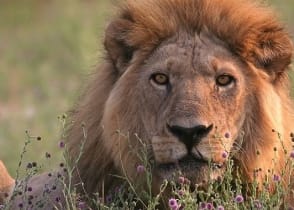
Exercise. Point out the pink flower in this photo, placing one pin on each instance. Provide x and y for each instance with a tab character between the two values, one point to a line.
257	204
292	154
202	205
140	169
181	180
239	199
276	178
227	135
181	192
220	208
209	206
224	155
173	204
82	205
61	144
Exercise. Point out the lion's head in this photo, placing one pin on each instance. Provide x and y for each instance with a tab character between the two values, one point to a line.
196	81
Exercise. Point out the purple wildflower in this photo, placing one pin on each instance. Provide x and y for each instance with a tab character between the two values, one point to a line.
181	180
57	199
140	169
292	154
257	204
224	154
181	192
82	205
227	135
20	205
108	199
202	205
220	208
61	144
209	206
239	199
276	178
187	181
30	189
173	204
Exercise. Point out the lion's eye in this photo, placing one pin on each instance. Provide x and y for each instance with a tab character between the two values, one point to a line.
224	80
160	79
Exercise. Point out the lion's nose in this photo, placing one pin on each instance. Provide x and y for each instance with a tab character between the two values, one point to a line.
190	136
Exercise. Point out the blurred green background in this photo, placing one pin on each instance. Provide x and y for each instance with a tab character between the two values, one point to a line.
47	49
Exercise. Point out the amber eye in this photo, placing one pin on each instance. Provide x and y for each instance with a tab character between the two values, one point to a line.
224	80
160	79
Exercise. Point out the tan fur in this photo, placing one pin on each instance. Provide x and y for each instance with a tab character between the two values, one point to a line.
192	41
6	183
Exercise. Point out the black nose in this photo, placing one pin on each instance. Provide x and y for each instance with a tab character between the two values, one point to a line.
190	136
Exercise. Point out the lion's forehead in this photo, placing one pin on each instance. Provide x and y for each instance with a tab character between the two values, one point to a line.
196	53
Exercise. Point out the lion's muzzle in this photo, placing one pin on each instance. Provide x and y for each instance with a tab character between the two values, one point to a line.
190	136
178	151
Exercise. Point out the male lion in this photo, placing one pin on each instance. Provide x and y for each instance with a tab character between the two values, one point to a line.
193	80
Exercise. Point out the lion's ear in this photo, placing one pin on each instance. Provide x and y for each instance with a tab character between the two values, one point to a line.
273	51
115	43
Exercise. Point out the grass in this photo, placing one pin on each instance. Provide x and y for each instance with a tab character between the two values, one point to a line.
46	48
226	192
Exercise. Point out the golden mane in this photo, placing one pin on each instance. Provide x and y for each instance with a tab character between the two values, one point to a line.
249	30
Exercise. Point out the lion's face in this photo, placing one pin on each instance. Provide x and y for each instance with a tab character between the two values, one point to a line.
195	89
189	101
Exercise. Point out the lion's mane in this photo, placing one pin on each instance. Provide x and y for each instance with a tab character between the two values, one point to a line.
250	30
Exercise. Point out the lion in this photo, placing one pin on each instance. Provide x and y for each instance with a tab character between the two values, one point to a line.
6	183
194	80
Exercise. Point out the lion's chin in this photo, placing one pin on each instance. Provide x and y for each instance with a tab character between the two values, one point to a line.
197	171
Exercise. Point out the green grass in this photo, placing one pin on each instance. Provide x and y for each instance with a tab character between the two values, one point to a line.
47	49
225	192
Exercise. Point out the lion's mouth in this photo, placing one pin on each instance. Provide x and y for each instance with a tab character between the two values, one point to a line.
188	162
195	169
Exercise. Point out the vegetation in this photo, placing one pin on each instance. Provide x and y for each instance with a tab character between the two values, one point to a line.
47	50
226	192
